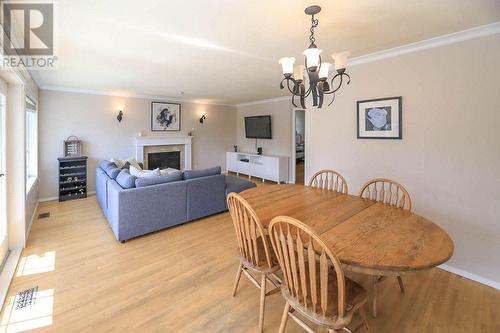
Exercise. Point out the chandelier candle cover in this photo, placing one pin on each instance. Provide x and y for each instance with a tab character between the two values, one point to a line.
317	71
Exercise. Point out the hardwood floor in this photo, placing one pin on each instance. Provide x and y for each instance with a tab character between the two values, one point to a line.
181	279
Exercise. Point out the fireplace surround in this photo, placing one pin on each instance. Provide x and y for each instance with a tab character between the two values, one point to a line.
160	144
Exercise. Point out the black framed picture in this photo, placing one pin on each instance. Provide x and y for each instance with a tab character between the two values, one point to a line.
380	118
165	116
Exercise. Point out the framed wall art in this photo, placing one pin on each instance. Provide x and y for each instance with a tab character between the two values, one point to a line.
380	118
165	116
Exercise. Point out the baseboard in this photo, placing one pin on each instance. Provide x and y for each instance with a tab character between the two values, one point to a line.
31	221
471	276
57	198
8	273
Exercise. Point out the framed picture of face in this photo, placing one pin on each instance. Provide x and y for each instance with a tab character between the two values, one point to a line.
380	118
165	116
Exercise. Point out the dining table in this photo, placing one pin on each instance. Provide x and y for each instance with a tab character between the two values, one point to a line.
367	236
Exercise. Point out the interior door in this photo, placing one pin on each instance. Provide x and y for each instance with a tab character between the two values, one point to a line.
4	239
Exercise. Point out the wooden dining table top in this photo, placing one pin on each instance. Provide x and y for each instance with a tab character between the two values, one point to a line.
367	236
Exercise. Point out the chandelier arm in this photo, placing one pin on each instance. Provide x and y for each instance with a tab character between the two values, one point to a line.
321	96
339	85
333	99
293	101
288	79
308	92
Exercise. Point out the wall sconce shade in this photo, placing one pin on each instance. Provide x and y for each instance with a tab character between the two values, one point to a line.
202	119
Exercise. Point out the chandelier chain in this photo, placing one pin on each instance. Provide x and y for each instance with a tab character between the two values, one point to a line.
314	24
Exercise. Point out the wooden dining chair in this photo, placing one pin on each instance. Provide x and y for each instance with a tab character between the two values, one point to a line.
314	284
386	191
256	255
391	193
329	180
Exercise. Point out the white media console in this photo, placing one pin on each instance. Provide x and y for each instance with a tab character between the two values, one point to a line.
268	167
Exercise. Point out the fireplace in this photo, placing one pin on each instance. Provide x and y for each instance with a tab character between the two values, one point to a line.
146	145
163	160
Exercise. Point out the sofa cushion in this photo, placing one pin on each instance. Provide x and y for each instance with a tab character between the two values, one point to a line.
235	184
105	164
148	181
190	174
113	171
125	179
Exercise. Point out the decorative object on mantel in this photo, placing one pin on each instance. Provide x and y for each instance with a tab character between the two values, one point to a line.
165	116
191	132
235	149
317	71
380	118
119	117
72	147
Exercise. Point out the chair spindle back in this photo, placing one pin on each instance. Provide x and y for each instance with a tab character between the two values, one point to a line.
306	278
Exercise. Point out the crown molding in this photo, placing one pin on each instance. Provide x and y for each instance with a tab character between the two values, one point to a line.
263	101
456	37
127	95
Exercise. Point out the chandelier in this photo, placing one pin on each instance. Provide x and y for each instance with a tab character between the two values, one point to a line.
317	71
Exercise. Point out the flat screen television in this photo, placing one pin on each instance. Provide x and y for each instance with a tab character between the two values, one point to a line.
258	127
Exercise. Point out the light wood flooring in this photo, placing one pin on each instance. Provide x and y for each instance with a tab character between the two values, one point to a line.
180	280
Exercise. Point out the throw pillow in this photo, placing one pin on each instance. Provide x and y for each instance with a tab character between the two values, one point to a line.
125	179
132	161
144	173
168	171
119	163
126	166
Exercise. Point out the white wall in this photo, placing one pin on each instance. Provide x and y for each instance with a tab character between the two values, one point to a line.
281	127
93	119
449	157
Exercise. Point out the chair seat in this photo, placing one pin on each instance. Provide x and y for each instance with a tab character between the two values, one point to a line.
355	297
262	266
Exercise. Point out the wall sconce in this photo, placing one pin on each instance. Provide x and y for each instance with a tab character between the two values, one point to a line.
120	114
202	119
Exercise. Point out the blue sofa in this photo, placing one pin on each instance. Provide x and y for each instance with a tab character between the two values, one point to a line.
134	211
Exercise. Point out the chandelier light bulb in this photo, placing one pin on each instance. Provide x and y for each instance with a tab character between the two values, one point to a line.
298	72
324	69
340	60
312	58
287	65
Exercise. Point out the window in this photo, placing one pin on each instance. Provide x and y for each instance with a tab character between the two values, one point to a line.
31	144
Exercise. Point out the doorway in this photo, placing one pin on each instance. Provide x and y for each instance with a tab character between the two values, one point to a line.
299	145
4	240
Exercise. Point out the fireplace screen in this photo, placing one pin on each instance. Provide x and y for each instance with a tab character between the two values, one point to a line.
163	160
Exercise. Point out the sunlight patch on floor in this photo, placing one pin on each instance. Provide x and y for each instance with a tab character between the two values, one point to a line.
37	315
35	264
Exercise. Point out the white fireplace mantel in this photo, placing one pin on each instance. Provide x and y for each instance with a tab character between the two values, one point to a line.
147	141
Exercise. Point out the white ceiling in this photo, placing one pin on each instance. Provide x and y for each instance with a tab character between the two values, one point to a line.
227	51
